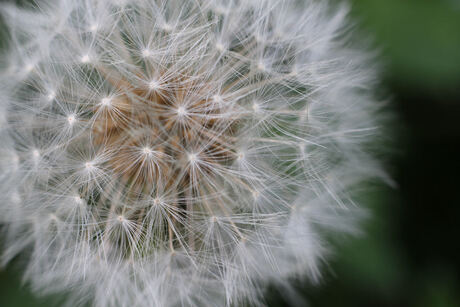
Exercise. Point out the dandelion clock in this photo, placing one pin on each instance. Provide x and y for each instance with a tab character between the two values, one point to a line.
179	153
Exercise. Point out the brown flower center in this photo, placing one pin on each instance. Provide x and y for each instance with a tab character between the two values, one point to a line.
164	135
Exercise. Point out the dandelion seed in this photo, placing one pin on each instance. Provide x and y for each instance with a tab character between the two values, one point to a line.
220	47
15	160
93	28
78	200
154	85
106	102
221	10
146	53
218	99
15	198
51	96
71	119
279	34
146	151
181	111
256	107
85	59
29	67
261	66
192	158
302	150
35	154
167	27
89	165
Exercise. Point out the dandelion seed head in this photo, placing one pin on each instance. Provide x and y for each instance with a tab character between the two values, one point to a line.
200	156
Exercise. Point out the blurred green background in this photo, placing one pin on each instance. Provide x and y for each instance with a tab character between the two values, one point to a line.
409	254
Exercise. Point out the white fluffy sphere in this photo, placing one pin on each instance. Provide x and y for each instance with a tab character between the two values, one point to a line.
179	153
